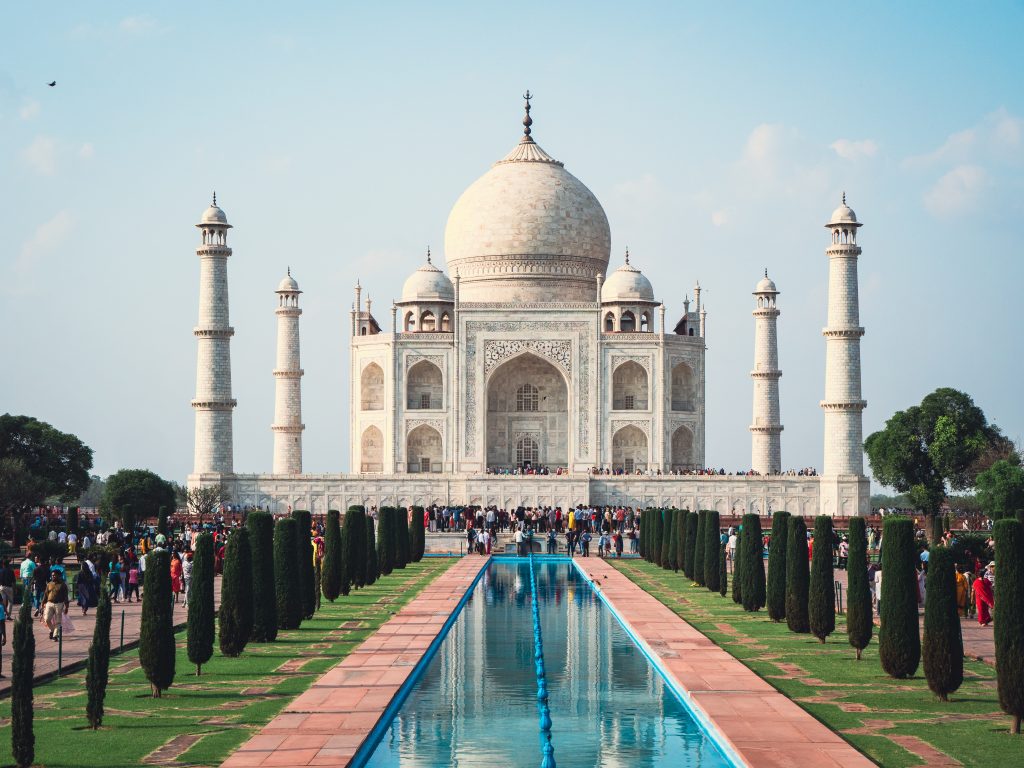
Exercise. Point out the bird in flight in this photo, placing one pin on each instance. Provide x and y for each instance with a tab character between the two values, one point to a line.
52	84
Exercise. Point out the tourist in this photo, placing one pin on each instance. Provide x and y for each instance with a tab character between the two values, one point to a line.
617	539
602	545
962	589
878	590
634	541
56	604
186	575
176	586
552	541
921	584
40	578
983	600
28	567
88	587
520	549
7	586
132	582
844	553
585	543
114	578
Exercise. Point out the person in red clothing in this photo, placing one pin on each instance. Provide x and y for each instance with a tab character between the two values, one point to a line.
983	600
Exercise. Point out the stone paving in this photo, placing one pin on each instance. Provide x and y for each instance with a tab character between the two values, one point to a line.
729	694
325	725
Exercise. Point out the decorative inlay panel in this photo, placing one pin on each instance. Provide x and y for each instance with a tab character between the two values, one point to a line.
642	424
497	351
437	360
644	361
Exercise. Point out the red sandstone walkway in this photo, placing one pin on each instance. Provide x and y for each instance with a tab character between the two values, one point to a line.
764	727
325	725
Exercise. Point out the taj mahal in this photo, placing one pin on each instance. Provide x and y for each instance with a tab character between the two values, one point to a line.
532	372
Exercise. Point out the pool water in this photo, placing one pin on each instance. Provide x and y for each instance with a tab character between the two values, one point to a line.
476	703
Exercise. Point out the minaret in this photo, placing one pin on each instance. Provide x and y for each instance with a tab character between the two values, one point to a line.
844	453
213	405
765	441
288	424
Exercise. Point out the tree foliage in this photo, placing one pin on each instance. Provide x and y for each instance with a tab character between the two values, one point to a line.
666	538
668	562
752	542
681	522
418	535
59	461
737	570
201	614
384	547
712	549
23	739
98	666
1000	488
698	549
331	568
261	542
899	638
942	649
723	572
797	576
304	561
140	490
204	501
287	587
372	570
690	544
236	595
775	592
156	636
1009	625
821	599
860	625
353	537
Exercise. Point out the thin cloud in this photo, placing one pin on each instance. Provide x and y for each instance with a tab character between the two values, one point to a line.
957	192
850	149
47	238
29	110
41	155
138	24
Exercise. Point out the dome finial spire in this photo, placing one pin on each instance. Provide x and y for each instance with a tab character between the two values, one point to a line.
627	254
844	197
766	271
428	255
289	270
214	197
527	121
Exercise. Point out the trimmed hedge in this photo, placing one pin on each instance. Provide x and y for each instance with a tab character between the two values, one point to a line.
201	614
698	549
330	574
418	535
797	576
775	591
156	635
753	563
287	587
860	625
712	549
1009	627
942	648
690	544
821	598
98	666
899	639
681	522
371	552
235	612
23	739
264	582
304	561
669	562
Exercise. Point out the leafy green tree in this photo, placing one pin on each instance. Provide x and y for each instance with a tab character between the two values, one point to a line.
98	665
201	613
930	448
384	547
287	586
681	517
899	639
712	546
821	597
1009	626
304	561
372	569
690	544
236	595
797	577
698	550
942	649
1000	489
156	636
775	593
23	739
261	541
751	540
669	562
142	491
419	535
860	625
330	576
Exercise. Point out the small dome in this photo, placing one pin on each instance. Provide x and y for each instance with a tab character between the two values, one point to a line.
288	284
627	283
766	285
428	283
844	214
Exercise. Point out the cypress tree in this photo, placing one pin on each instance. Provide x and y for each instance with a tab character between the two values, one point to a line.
357	569
681	522
156	635
669	563
98	666
384	541
161	521
775	592
201	614
641	546
723	572
1009	628
666	538
23	739
753	587
698	550
712	548
942	648
899	639
737	570
690	544
72	524
797	576
236	595
330	576
372	570
351	537
318	575
419	535
403	540
821	598
304	560
287	587
860	623
261	542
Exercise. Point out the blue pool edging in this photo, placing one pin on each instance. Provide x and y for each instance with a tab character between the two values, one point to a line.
723	745
376	734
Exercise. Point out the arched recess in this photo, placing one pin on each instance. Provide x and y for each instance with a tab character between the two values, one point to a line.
371	450
527	397
410	322
445	322
684	388
371	389
629	449
627	322
609	322
682	449
629	387
424	387
427	321
424	450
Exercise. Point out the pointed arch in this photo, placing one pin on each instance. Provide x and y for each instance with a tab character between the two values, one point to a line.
629	387
371	450
424	449
424	387
629	449
371	388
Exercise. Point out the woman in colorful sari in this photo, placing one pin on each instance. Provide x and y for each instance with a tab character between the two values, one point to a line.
176	586
962	588
983	600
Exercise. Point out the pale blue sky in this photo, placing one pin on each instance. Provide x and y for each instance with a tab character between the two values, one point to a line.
718	137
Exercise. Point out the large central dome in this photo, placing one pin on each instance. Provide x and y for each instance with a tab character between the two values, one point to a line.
527	231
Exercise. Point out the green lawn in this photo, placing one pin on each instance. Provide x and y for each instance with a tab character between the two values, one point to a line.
232	699
854	698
